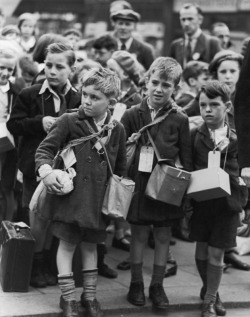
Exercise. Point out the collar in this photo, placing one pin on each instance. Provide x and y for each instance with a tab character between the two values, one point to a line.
151	108
100	123
46	85
5	88
127	43
194	36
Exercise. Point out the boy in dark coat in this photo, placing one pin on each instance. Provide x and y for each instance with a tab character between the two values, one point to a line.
214	222
172	139
77	217
34	112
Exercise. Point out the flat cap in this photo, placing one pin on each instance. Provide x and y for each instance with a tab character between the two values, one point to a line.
125	14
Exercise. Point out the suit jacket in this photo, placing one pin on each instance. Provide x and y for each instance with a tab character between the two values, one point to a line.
26	122
143	52
206	47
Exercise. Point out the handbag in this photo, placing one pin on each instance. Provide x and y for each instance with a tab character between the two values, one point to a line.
166	183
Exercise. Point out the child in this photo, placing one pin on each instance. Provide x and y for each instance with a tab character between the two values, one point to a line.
35	110
195	74
214	222
8	159
172	139
73	36
77	217
27	26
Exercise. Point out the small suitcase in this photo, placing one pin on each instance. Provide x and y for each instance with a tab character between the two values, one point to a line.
17	248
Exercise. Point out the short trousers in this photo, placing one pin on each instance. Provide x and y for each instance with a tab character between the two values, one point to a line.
212	223
156	224
73	234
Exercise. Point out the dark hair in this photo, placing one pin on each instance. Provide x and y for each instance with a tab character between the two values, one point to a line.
168	68
215	88
105	41
192	5
72	31
57	48
193	69
43	42
214	25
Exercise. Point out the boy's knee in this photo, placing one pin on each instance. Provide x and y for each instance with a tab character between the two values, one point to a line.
162	235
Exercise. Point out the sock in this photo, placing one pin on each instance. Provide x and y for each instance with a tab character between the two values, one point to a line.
89	284
202	269
136	272
158	274
214	274
67	286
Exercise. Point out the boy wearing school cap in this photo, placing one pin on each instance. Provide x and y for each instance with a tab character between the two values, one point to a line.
124	23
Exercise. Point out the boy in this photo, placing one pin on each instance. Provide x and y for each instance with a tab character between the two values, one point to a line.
214	222
36	109
172	139
77	217
8	159
195	75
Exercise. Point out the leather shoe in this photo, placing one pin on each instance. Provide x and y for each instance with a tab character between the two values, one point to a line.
172	270
158	296
136	294
208	310
124	265
121	244
106	271
92	307
231	258
218	306
70	308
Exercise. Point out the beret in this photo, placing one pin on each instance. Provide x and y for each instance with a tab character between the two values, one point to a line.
222	56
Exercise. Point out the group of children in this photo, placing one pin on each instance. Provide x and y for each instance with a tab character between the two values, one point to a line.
48	115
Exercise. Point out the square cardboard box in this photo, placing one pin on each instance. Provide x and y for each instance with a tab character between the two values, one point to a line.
209	183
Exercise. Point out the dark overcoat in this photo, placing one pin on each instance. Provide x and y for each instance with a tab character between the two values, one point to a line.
202	145
172	139
26	122
82	206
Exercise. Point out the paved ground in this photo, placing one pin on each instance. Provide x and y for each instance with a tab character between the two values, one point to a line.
182	289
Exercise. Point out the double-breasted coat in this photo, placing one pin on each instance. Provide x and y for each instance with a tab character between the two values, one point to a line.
172	139
82	206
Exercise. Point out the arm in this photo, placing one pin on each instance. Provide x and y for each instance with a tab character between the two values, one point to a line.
185	145
120	164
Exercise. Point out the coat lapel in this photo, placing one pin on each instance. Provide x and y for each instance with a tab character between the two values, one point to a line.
200	46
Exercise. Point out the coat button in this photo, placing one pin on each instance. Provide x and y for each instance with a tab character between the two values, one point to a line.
88	159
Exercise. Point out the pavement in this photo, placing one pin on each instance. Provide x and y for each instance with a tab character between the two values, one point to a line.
182	289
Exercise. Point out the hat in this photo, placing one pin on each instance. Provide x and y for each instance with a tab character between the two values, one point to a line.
125	14
222	56
129	64
26	16
119	5
72	31
8	29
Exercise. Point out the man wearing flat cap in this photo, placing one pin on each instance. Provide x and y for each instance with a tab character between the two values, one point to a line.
195	45
124	23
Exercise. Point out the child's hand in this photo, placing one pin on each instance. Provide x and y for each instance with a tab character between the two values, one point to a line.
134	137
47	123
53	183
245	174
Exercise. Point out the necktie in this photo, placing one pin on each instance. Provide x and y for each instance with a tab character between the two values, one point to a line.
123	47
63	105
188	51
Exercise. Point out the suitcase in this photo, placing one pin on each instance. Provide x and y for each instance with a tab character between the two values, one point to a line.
17	248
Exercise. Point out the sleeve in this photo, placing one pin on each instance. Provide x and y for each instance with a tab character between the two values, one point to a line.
54	141
21	121
121	161
185	145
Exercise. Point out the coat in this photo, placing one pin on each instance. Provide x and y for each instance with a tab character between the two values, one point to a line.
206	47
83	205
172	139
143	52
202	144
26	122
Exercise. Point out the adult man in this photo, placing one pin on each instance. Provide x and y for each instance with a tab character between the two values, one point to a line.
195	45
222	32
104	46
124	23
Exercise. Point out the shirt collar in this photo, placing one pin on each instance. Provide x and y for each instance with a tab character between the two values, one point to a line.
194	36
46	85
5	88
100	123
127	43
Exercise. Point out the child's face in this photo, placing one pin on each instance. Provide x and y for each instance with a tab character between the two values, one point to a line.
94	102
7	66
213	111
27	28
201	80
57	70
160	90
73	39
228	72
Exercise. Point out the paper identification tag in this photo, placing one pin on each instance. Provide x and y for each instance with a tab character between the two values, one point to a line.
146	159
68	157
214	159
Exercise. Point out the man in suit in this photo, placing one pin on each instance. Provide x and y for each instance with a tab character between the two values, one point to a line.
124	23
195	45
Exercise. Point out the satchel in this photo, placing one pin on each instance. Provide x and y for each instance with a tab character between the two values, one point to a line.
166	183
